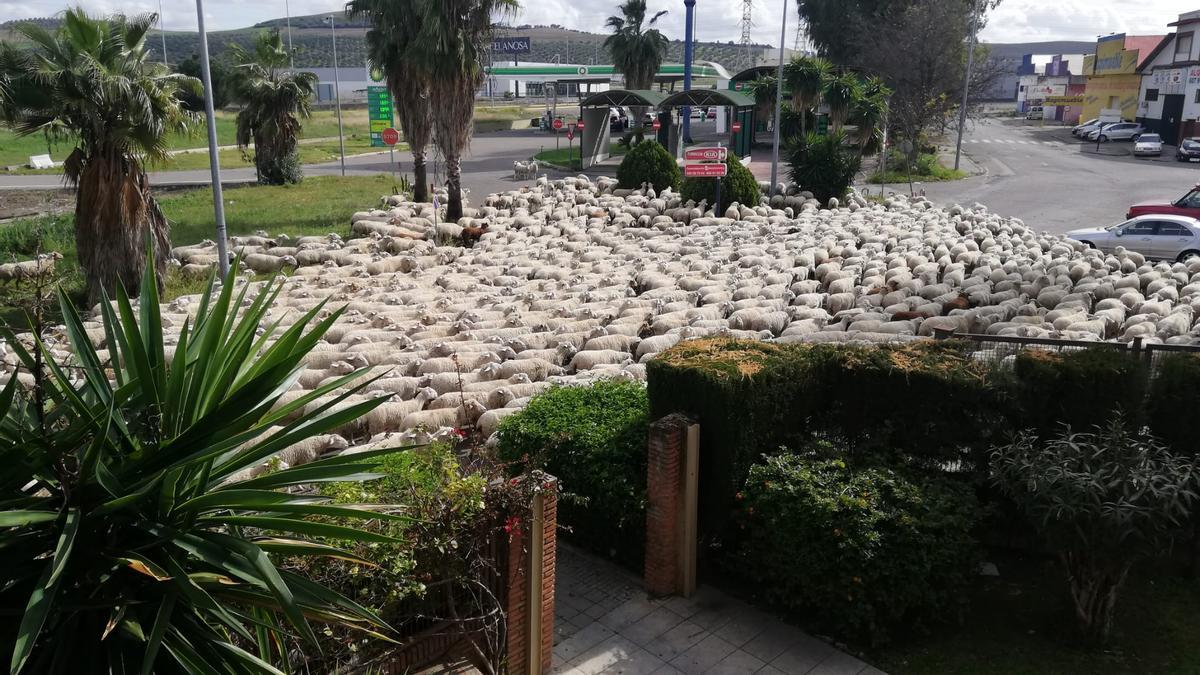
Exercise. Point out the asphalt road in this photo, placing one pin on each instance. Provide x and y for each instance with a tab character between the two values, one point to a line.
1054	182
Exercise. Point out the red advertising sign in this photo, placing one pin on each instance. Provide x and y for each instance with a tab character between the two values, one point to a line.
737	126
656	125
558	124
704	170
570	133
705	154
390	136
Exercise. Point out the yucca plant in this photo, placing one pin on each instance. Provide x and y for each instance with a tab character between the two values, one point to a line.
127	543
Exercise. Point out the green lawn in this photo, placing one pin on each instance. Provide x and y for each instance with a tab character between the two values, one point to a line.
568	155
318	205
930	171
1020	624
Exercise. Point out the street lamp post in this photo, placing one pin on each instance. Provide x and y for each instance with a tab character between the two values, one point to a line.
214	163
337	94
778	102
688	43
162	32
962	111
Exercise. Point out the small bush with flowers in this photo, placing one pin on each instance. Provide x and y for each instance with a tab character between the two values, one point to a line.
861	549
594	440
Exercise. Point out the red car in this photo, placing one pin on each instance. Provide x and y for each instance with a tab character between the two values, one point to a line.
1187	205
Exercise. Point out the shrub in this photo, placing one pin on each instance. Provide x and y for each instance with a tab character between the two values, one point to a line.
1102	500
648	162
594	440
1173	401
867	549
131	543
823	165
738	185
1080	389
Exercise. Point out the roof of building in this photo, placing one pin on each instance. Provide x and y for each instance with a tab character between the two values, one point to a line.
1146	45
623	97
718	97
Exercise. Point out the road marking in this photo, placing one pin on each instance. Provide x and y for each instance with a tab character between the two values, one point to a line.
987	140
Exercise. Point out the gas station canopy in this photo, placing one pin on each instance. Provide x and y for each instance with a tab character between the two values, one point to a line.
708	97
615	98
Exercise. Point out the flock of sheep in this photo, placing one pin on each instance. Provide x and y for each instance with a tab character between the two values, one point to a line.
567	281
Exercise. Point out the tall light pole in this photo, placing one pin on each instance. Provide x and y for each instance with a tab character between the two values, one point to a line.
162	32
337	93
214	160
962	111
688	45
778	101
287	11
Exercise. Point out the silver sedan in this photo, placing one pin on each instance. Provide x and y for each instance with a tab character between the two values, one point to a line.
1158	236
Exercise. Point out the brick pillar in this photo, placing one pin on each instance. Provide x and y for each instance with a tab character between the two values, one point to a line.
668	568
529	602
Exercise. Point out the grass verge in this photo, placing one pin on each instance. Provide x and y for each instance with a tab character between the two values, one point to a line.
568	157
927	169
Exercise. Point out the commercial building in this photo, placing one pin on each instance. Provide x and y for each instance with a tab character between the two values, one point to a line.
1113	80
1045	76
1169	99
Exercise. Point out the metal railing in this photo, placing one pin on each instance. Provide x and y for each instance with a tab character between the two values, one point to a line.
997	348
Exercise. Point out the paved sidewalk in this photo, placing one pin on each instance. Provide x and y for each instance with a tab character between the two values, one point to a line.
605	623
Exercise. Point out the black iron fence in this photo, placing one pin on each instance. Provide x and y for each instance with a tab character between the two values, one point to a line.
1003	349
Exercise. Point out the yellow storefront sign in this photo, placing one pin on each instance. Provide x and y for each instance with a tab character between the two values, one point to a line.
1063	100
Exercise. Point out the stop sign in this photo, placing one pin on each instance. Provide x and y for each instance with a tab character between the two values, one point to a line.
656	125
557	124
581	125
737	126
390	136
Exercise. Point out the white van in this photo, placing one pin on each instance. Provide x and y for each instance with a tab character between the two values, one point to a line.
1035	113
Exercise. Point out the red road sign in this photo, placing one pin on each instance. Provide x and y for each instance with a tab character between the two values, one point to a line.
557	124
581	125
570	133
705	154
704	170
656	125
390	136
737	126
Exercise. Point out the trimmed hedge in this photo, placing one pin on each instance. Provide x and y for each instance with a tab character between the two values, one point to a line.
927	403
865	549
648	162
1082	388
1174	403
594	440
738	185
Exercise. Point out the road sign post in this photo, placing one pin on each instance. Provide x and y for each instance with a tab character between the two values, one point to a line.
390	138
707	162
557	124
581	144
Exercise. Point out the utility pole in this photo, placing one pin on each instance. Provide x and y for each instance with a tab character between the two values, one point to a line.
688	53
962	111
778	101
214	160
287	11
747	24
337	93
162	32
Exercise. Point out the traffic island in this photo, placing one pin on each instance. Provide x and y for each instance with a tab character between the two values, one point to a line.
1106	149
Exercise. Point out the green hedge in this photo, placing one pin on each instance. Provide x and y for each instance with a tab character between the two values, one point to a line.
594	440
648	162
927	403
1173	406
862	550
1082	388
738	185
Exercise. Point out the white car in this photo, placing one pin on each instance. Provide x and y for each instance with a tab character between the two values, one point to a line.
1120	131
1158	236
1086	127
1147	144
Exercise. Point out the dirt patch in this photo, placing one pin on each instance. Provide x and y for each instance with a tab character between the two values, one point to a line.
26	203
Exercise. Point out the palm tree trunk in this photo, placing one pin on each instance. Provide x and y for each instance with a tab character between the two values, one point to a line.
115	217
420	176
454	200
414	111
454	99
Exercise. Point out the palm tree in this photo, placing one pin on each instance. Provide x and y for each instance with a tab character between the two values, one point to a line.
89	82
273	96
763	88
395	27
840	91
450	52
805	77
869	112
636	47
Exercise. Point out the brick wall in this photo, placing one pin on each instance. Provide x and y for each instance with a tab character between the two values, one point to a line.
664	485
521	546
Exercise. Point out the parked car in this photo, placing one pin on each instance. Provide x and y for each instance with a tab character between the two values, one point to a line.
697	113
1158	236
712	113
1147	145
1188	150
617	120
1120	131
1187	205
1084	131
1086	127
1035	113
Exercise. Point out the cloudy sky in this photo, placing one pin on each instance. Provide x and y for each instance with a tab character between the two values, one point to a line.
1014	21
